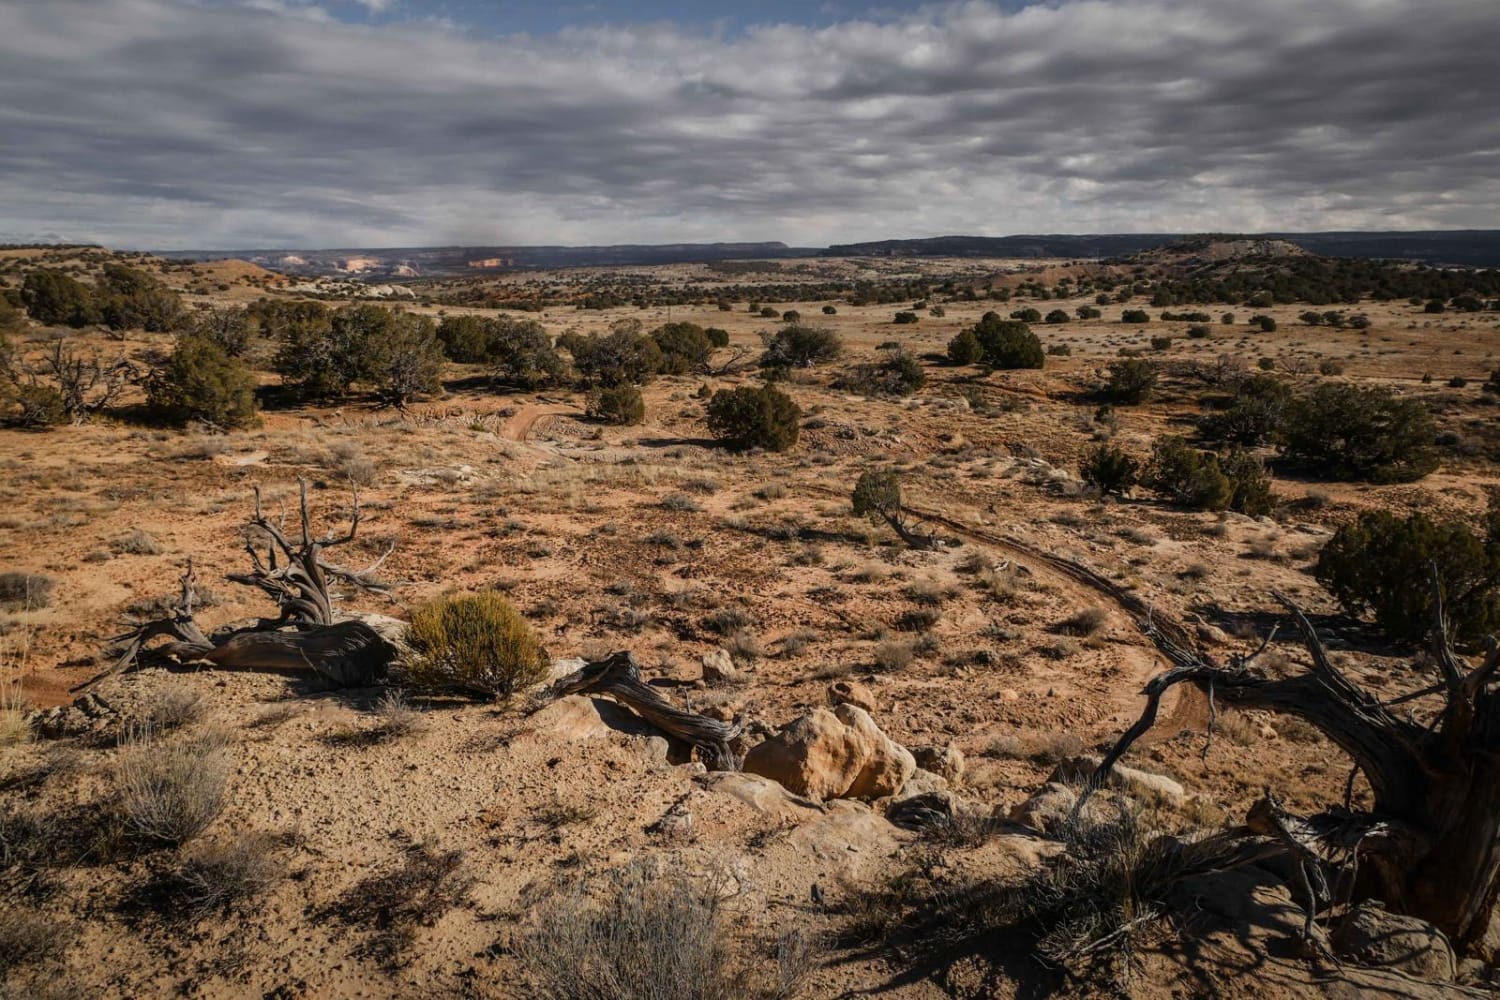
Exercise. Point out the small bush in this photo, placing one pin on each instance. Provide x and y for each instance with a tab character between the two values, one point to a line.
798	346
169	792
618	404
898	374
830	311
1085	623
1057	316
25	591
905	317
34	406
1378	564
1135	316
1362	433
650	936
1253	415
750	417
202	382
476	644
1131	381
1187	477
1008	343
1109	469
210	878
964	348
892	655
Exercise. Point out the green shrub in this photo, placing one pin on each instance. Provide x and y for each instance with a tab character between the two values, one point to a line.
623	355
1058	316
1266	323
1249	483
229	328
798	346
130	299
1160	343
465	338
1008	343
1135	316
1253	415
1187	477
1131	380
55	299
475	644
717	337
1109	469
685	347
898	374
617	404
754	417
202	382
1198	331
906	317
964	348
1027	315
323	355
34	406
1360	433
1379	564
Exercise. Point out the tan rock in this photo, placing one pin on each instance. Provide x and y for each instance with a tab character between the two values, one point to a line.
1370	935
947	761
1048	810
817	755
851	693
1137	784
832	755
889	764
719	668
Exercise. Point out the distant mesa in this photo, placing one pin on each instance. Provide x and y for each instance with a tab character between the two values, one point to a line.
1457	248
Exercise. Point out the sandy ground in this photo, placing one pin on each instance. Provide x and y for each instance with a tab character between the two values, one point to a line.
641	538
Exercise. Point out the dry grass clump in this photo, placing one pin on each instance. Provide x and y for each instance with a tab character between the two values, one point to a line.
211	878
172	709
25	591
416	893
893	654
169	792
29	938
744	647
14	729
931	590
726	621
681	502
137	543
397	716
648	936
1085	623
1055	747
476	644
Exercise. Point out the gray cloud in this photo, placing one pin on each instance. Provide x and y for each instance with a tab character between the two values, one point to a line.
171	123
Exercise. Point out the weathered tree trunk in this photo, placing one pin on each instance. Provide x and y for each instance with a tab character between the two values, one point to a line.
305	635
619	676
1430	844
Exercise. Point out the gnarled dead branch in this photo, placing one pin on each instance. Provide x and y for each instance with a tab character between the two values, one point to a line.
619	676
1429	845
305	635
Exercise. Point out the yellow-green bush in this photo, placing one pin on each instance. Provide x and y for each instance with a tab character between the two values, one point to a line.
476	644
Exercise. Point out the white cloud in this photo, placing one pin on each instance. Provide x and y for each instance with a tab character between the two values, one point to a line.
178	123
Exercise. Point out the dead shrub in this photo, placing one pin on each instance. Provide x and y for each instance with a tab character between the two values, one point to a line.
892	655
137	543
211	878
172	709
1055	747
25	591
29	938
1085	623
642	935
169	792
397	716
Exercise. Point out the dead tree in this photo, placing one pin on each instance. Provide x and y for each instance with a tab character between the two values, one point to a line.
1429	845
619	676
305	634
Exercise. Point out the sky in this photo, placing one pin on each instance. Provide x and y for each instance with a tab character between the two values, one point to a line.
221	124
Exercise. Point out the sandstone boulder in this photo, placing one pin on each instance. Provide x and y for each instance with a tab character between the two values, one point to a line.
851	693
1140	785
1048	810
947	761
1370	935
833	755
719	668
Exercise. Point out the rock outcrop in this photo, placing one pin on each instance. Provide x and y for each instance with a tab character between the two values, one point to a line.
834	755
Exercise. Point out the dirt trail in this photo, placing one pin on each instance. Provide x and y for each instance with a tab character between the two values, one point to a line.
518	426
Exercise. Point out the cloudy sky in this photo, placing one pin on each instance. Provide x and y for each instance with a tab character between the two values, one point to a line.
334	123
